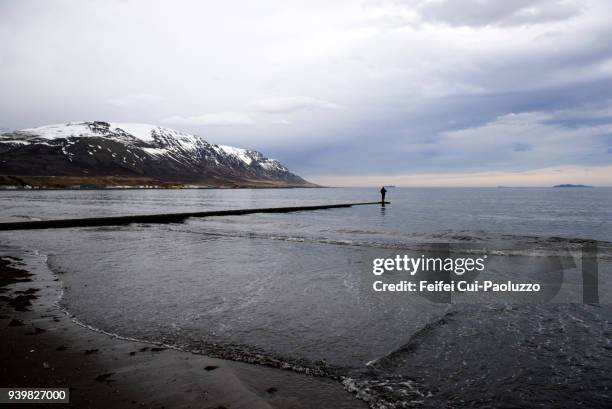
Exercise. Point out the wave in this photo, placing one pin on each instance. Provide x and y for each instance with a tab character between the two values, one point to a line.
379	392
457	242
382	388
382	383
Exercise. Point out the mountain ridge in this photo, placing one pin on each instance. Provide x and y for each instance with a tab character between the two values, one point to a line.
94	154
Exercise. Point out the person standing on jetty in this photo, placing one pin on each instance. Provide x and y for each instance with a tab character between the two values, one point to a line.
382	193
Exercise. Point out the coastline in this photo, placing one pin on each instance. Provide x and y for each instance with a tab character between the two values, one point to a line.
40	346
55	182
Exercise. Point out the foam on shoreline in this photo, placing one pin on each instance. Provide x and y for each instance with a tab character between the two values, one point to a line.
107	370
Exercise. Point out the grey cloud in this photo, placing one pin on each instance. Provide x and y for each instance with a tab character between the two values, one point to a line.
285	122
380	86
285	105
510	142
521	147
211	119
491	12
134	100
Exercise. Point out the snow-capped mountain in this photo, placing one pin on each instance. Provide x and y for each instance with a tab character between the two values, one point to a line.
102	153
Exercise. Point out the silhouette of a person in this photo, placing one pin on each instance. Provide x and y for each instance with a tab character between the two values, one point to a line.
382	193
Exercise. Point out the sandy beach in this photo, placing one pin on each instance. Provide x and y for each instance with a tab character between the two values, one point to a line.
42	347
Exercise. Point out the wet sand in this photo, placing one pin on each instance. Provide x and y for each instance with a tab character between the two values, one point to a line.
40	346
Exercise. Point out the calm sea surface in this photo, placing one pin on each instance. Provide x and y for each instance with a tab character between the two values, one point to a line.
295	289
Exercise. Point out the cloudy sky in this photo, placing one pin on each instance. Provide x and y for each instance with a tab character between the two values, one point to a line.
405	92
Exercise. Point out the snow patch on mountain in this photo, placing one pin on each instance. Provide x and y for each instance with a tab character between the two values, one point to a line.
57	131
155	151
107	146
241	154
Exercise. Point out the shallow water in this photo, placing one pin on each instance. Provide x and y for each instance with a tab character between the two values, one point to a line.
296	289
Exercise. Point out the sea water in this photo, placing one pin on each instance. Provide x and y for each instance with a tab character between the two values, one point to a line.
295	290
